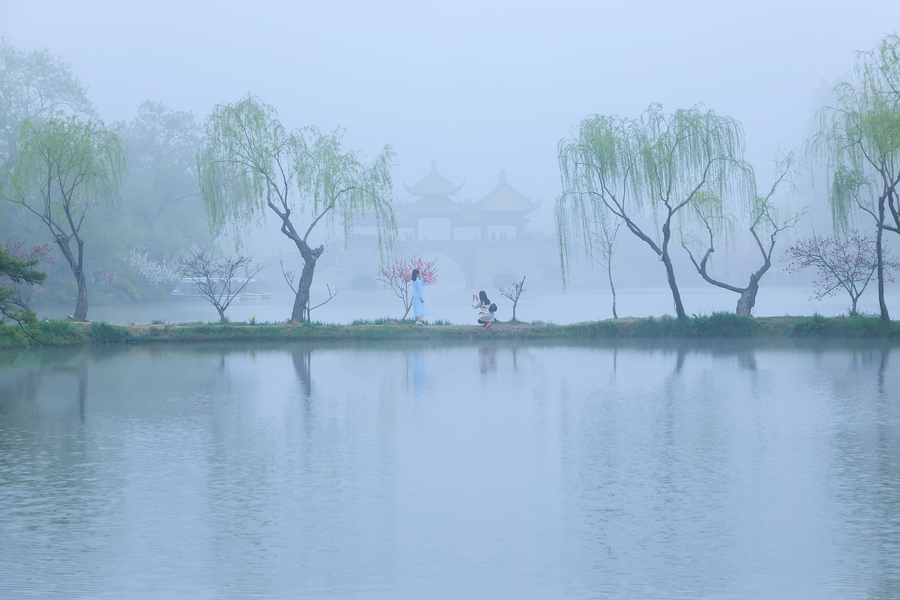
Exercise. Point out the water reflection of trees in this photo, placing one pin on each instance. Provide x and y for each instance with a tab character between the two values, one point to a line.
658	452
57	485
865	476
694	446
314	477
301	357
487	360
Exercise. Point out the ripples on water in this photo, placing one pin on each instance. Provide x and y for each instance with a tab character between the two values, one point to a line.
624	471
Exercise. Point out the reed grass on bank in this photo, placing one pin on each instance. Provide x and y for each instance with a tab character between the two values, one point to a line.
715	325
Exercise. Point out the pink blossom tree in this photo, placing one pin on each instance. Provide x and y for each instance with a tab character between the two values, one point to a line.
847	265
514	293
398	276
218	279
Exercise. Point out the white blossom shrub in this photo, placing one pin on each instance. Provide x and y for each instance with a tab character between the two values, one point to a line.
155	273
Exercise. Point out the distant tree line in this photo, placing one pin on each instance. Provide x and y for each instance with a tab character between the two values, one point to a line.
665	175
96	192
120	202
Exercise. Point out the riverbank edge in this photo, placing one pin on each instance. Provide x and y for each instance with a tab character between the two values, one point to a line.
65	333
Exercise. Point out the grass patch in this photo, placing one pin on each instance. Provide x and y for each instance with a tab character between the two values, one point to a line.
42	333
104	334
860	326
382	321
715	325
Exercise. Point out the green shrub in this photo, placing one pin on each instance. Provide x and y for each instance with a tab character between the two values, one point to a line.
11	337
126	288
104	334
665	326
59	333
720	324
864	326
816	325
868	326
598	329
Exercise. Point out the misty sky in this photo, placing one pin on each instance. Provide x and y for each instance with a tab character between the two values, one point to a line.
478	86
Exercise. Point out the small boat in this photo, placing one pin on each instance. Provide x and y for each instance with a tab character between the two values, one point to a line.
254	295
186	288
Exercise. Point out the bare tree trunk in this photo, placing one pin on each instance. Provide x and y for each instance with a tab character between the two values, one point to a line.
676	295
81	304
670	270
747	300
82	386
301	360
75	263
748	295
879	250
300	311
612	288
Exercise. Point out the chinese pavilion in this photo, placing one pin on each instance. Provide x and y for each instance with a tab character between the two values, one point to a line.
502	206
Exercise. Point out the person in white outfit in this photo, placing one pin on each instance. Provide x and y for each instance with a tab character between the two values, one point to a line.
483	304
418	297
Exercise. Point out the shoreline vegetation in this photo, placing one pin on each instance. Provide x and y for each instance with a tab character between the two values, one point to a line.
66	333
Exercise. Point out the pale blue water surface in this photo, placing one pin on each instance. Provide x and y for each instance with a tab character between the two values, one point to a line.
631	470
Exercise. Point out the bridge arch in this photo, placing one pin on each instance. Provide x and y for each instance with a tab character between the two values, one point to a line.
451	274
504	279
470	265
363	282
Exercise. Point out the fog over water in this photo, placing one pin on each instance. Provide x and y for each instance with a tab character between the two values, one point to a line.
637	470
481	87
626	469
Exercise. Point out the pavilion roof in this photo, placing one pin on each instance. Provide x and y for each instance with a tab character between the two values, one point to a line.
433	184
505	199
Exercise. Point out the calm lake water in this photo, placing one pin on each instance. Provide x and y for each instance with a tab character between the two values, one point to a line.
639	470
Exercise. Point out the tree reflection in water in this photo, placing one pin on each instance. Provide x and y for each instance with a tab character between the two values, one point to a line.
487	360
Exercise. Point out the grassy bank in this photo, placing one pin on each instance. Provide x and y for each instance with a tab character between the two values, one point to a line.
716	325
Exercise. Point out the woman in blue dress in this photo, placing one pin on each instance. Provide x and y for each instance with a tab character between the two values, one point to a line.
418	293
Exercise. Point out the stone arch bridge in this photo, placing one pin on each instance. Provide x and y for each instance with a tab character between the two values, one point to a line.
484	264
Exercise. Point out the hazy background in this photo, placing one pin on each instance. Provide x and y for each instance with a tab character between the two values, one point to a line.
478	87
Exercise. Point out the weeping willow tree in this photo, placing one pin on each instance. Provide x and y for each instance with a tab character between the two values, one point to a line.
34	84
860	137
766	225
656	165
64	167
249	163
